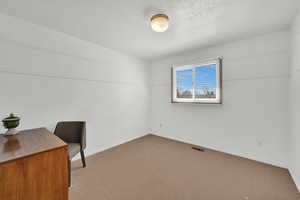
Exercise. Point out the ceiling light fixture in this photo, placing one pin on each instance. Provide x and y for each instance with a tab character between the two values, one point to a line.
159	22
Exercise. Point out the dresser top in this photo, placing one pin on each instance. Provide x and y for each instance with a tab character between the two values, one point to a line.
27	143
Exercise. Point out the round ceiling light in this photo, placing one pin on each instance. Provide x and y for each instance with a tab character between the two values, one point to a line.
159	22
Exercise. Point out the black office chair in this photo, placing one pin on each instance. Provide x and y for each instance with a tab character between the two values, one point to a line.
74	134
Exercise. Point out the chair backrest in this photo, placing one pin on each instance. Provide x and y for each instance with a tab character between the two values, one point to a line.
72	132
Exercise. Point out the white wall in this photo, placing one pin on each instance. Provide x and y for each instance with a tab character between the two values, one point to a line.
295	102
253	121
47	76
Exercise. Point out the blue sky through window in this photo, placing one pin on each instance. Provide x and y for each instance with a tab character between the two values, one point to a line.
205	82
205	79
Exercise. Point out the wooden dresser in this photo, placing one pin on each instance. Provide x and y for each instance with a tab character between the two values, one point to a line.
33	166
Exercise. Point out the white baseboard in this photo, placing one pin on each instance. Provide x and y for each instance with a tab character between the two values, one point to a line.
295	178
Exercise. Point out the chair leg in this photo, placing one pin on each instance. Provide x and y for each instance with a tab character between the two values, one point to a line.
82	158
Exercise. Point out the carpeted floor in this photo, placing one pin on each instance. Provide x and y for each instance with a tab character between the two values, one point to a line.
155	168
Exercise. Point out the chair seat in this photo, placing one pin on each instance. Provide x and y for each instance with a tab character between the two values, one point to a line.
73	149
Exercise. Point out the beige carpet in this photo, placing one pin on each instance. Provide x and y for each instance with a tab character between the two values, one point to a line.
155	168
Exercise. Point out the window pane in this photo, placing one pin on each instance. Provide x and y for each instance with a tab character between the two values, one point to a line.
205	81
184	82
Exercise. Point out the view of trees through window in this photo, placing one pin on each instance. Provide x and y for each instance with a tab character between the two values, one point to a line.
184	83
200	80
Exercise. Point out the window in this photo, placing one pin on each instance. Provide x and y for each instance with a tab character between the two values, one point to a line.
197	83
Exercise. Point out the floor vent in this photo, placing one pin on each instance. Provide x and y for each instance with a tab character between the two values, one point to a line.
198	149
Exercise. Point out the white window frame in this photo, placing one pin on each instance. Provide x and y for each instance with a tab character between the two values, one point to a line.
217	100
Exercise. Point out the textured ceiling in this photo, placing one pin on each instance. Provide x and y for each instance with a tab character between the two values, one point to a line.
124	24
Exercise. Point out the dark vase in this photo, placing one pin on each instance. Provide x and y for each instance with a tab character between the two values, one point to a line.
11	123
